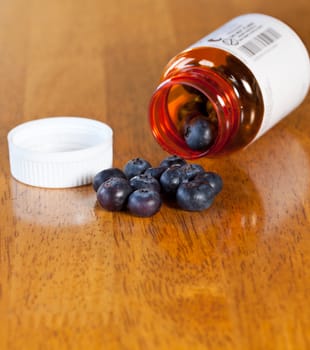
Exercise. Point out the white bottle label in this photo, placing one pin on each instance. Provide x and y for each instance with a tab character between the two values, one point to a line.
275	55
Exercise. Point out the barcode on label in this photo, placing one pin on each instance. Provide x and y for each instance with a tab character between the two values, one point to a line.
259	42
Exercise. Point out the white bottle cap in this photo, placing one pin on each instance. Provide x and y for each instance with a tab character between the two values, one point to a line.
59	152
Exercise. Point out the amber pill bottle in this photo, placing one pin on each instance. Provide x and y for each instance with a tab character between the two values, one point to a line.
245	77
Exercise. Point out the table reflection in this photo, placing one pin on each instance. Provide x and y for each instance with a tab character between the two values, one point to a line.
52	207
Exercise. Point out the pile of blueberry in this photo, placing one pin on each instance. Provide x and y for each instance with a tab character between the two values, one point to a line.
141	187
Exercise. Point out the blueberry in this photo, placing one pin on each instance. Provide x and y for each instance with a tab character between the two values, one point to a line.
113	193
213	179
194	196
190	109
209	107
172	160
155	172
199	133
135	167
144	202
198	96
105	174
144	181
171	178
189	171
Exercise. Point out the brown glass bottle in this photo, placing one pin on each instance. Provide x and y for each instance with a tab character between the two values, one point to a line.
224	81
238	85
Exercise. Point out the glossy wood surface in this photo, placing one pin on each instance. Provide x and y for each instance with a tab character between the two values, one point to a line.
73	276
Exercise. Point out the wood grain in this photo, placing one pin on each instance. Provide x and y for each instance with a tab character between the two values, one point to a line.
73	276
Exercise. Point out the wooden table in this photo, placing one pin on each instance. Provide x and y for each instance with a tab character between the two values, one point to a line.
74	276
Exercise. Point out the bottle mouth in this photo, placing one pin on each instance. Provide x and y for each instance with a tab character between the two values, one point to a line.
195	91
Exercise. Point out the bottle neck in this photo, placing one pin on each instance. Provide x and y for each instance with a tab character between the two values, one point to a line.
168	98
